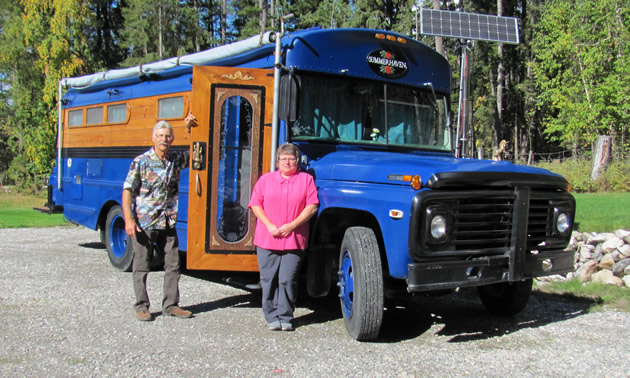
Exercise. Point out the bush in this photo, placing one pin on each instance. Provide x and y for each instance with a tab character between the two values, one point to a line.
578	173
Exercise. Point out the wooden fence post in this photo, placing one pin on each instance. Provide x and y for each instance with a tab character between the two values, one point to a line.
601	156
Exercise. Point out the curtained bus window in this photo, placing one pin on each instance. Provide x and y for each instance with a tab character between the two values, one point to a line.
75	117
117	113
172	107
94	116
234	169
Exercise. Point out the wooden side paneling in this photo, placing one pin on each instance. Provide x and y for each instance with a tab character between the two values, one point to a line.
135	132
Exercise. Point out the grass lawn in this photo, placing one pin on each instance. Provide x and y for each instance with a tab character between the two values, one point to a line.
602	212
16	210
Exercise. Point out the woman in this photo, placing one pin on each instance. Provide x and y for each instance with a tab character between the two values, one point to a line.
283	202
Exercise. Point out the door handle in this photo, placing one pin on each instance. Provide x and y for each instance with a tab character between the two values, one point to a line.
198	156
197	185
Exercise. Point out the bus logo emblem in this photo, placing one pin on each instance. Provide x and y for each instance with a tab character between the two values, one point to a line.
387	64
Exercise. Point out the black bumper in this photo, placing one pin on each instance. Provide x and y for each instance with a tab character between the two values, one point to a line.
451	274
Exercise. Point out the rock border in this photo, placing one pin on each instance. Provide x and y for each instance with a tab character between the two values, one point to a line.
599	257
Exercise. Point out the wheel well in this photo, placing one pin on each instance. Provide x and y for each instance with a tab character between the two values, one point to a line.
102	216
332	223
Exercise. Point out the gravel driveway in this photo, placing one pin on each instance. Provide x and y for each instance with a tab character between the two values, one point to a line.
64	311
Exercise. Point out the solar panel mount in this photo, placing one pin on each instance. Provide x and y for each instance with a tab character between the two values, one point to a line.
471	26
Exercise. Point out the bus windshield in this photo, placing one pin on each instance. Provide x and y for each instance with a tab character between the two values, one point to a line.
366	112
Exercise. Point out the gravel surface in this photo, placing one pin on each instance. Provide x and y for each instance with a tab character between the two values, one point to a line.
64	311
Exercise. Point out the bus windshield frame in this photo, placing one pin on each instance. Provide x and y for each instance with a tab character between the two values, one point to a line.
372	113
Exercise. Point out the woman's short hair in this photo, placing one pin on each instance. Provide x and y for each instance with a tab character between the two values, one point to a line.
288	149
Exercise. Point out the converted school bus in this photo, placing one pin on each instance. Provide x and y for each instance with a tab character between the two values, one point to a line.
370	112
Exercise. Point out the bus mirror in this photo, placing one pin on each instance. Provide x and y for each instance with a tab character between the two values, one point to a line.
289	89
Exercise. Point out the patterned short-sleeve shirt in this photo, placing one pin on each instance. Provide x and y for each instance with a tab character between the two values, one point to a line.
154	186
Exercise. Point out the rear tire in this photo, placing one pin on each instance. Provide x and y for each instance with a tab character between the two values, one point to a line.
119	248
505	298
361	283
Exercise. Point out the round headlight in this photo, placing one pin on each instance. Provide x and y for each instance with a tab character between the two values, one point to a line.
438	227
562	223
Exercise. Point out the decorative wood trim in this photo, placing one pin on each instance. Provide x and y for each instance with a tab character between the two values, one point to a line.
238	75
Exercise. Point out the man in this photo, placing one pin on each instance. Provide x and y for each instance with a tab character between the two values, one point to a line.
152	186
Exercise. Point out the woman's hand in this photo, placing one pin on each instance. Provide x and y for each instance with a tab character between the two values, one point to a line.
274	231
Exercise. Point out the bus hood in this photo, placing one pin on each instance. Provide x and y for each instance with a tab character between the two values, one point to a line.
435	170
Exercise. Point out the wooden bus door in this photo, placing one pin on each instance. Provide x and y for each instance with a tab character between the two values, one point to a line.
229	152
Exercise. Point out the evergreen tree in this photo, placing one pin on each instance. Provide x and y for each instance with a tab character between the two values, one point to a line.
104	26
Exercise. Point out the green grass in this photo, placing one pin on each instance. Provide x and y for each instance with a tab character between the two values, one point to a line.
16	210
605	296
602	212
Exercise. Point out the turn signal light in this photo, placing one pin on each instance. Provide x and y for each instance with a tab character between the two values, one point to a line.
416	183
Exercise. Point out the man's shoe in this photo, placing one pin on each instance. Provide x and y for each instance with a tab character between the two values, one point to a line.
275	325
287	326
144	315
178	312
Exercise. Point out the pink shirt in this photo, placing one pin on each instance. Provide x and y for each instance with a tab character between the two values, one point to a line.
283	200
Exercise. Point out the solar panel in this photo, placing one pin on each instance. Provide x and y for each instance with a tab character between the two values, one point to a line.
464	25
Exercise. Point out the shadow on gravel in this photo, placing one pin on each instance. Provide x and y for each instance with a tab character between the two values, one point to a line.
460	316
323	309
463	318
238	280
93	245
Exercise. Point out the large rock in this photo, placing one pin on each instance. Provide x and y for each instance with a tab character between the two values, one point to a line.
607	261
600	238
622	234
620	267
624	250
585	272
606	277
626	281
586	252
612	244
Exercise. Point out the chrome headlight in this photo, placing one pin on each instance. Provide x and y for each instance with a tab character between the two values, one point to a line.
438	227
563	223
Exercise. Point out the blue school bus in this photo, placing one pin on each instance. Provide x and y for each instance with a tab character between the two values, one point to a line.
370	112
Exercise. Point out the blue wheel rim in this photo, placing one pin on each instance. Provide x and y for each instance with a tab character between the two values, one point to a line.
118	237
346	284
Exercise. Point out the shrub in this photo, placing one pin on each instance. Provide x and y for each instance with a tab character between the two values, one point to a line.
578	173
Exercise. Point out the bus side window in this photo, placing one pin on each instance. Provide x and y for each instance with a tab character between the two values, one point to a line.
75	117
172	107
94	116
117	113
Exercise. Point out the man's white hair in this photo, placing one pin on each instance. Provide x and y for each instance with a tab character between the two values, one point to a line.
162	125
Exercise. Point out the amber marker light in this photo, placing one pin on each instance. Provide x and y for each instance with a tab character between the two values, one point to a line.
396	214
380	36
401	40
391	38
416	182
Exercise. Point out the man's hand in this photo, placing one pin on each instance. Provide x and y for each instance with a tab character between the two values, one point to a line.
190	122
131	228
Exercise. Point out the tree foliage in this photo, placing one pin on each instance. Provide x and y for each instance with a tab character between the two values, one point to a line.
581	69
42	41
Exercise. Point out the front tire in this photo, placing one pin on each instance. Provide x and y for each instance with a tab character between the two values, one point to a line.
505	298
361	283
119	250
